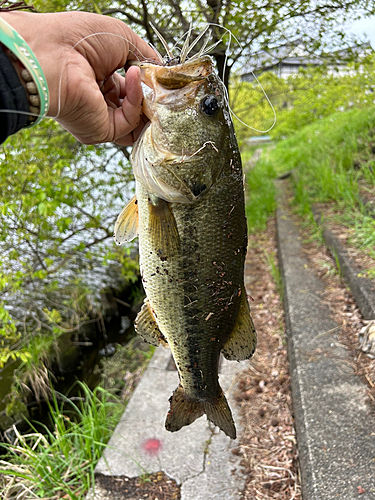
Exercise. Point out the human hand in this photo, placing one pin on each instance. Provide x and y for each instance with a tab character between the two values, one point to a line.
79	53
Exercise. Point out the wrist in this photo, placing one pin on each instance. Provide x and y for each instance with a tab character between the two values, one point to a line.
28	84
27	67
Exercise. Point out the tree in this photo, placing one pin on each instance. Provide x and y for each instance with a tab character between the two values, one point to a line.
257	24
305	97
60	200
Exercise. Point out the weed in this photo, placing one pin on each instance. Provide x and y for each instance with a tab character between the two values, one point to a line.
145	478
337	262
368	273
60	462
269	258
261	195
34	371
330	269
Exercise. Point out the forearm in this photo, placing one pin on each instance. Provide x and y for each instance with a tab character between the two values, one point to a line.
23	89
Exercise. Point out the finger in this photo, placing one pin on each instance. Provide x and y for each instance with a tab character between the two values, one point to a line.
128	117
110	44
129	139
110	89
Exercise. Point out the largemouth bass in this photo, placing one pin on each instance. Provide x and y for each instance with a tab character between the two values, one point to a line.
189	214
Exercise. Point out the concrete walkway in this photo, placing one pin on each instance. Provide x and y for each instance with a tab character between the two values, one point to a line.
197	457
334	423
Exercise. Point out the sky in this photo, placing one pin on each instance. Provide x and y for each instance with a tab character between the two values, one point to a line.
365	26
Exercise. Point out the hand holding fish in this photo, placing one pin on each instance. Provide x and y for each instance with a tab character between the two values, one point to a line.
79	54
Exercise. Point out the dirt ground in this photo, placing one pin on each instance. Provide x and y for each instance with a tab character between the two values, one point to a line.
153	487
268	444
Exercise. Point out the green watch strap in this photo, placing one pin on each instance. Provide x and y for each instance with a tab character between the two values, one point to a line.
16	44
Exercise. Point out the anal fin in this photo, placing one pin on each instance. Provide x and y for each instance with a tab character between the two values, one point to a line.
242	341
126	227
146	326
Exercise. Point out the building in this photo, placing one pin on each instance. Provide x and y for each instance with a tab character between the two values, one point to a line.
288	59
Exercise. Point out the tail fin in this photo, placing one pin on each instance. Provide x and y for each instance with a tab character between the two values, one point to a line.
184	410
219	413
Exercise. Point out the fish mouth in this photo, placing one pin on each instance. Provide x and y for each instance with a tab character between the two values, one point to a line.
172	85
176	76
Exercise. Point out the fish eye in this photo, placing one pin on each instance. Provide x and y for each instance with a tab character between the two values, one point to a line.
210	105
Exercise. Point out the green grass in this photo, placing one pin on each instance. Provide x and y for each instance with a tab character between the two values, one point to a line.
271	260
260	199
59	463
329	158
368	273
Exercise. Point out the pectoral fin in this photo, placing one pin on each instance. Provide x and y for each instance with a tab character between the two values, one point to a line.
146	326
163	228
126	227
242	341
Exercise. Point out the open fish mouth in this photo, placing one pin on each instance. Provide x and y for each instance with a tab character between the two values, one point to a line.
175	84
180	74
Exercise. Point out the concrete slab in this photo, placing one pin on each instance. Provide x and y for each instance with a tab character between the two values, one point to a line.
198	457
334	424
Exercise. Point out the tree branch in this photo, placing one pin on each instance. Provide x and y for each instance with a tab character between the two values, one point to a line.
128	16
